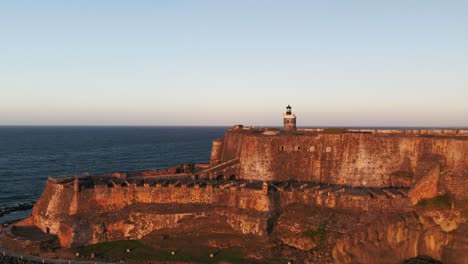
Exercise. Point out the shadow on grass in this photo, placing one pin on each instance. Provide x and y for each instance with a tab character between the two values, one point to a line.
139	252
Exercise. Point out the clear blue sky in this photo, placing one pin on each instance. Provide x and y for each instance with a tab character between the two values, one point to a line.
346	63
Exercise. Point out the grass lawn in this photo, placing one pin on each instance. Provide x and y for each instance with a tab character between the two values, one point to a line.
139	252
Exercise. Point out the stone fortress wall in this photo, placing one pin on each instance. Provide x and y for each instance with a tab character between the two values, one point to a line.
357	158
422	132
166	201
75	210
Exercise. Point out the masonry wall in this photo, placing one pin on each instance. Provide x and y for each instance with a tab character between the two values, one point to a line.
108	199
16	244
54	205
357	159
342	200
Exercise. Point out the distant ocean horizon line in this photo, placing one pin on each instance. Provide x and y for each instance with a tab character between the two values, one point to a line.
228	126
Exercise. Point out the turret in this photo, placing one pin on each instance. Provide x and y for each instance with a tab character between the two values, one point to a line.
76	185
289	120
216	151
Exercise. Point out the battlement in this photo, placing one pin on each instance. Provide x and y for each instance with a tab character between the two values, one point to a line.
164	198
343	196
100	194
421	132
166	181
244	204
320	131
111	194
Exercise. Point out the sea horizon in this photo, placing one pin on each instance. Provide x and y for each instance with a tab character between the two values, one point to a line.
30	154
228	126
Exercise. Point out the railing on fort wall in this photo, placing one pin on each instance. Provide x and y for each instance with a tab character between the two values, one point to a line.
435	132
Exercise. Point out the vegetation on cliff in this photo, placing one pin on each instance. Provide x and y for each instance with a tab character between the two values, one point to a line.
317	235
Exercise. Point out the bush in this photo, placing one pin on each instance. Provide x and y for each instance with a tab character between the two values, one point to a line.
318	233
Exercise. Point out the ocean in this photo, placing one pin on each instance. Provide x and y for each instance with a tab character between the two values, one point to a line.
28	155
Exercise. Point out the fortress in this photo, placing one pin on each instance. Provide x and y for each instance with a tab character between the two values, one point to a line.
260	182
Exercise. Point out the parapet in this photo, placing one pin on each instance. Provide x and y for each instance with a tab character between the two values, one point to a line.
422	132
179	182
316	131
343	196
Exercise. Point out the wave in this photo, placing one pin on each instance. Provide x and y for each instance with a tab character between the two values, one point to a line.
18	207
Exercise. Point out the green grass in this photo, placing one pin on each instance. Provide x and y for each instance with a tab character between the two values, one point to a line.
317	235
141	253
117	250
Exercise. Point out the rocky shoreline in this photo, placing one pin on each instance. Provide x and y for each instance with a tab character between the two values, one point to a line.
19	207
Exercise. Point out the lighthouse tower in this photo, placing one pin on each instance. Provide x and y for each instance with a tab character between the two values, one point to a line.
289	120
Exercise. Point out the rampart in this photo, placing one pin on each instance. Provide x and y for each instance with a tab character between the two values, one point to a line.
343	197
80	210
371	158
166	200
107	198
421	132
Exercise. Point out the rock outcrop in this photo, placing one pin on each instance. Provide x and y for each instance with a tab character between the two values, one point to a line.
394	238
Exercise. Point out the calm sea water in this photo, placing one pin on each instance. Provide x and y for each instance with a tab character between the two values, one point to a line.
28	155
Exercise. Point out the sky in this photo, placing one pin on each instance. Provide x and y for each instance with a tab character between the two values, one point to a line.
219	63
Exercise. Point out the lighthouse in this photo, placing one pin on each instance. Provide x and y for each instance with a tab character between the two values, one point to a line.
289	120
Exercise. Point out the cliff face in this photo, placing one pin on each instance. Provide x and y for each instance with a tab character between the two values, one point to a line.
398	237
343	236
356	159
